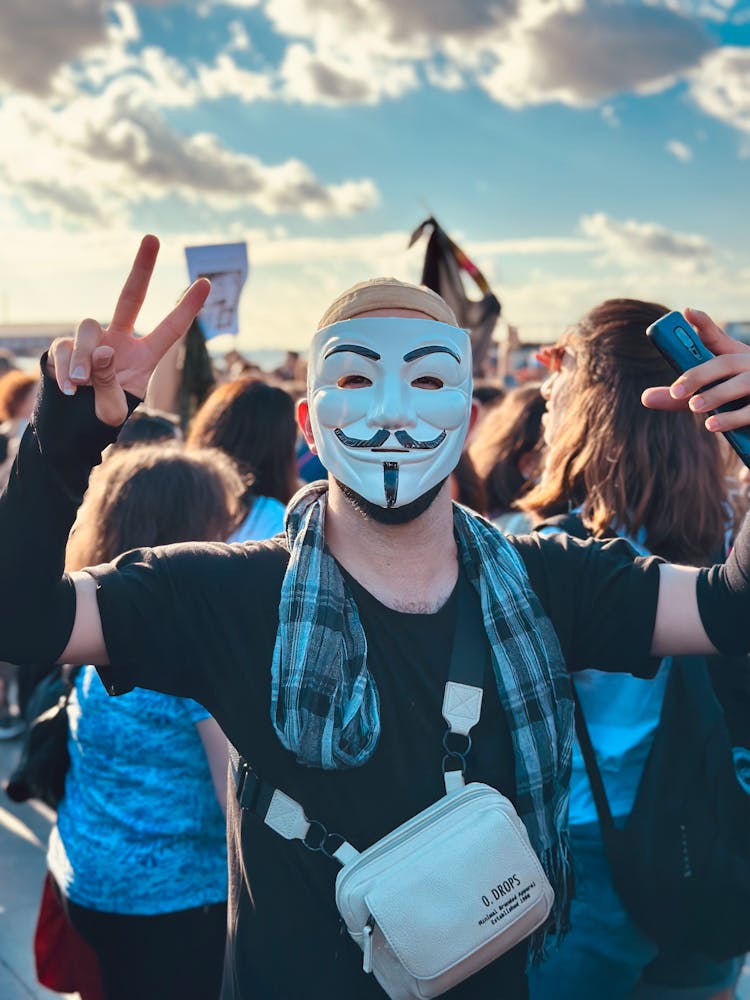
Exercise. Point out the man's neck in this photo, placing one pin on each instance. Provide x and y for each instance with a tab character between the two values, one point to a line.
409	567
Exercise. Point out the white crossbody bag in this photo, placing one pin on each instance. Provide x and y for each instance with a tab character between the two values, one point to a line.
448	891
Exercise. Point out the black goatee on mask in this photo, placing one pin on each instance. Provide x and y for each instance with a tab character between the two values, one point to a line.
390	515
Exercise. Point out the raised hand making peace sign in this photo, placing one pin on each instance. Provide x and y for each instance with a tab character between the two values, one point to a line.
113	360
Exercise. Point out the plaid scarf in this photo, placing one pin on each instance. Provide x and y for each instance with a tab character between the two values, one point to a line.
324	702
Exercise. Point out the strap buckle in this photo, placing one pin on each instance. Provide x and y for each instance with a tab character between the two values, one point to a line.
453	754
318	838
248	787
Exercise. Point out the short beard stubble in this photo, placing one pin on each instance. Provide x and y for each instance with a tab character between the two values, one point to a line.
390	515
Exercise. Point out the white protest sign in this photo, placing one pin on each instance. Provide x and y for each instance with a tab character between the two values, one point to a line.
225	265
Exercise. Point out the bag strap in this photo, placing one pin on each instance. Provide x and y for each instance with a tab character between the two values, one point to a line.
462	701
462	706
601	801
572	524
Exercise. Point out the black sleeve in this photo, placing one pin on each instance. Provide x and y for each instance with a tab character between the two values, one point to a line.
600	597
62	443
724	597
196	620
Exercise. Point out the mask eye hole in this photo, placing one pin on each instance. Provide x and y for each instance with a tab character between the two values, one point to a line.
428	382
353	382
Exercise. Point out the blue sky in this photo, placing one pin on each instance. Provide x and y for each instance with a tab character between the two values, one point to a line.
577	149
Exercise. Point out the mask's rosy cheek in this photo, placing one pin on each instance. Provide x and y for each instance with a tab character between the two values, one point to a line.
443	408
335	407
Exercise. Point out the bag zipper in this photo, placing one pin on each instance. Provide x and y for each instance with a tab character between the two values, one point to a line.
367	944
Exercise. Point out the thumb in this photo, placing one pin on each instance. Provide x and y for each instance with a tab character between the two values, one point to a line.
110	404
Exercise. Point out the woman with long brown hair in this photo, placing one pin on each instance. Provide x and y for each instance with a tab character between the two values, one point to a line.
254	423
658	480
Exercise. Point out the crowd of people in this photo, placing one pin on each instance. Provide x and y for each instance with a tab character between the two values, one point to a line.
269	582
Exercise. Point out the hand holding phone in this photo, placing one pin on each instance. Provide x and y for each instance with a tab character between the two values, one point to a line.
681	346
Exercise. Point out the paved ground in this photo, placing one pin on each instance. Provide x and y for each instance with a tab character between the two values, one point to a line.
24	830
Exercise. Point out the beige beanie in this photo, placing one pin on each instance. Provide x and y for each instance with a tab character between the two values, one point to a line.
387	293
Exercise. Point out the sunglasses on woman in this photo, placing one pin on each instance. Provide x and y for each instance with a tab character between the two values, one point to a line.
551	357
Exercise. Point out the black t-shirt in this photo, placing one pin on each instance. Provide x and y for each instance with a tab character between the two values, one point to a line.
200	621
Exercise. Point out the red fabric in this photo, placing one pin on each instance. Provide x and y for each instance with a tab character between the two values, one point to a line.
64	961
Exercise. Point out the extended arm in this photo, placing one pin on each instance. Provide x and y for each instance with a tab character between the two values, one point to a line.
705	611
217	752
90	385
38	603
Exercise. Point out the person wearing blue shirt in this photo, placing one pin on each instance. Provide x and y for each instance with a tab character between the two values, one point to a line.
138	854
605	461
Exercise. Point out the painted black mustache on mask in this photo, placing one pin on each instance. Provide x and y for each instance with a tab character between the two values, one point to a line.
379	438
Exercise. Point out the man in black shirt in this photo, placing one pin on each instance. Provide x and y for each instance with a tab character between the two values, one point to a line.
236	626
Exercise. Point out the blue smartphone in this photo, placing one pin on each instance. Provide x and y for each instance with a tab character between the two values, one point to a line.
681	346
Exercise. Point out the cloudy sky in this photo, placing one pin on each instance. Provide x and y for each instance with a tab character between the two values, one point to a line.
578	149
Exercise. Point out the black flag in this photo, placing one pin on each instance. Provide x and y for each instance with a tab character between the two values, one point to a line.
443	264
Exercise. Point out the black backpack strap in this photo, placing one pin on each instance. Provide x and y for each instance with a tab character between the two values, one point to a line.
592	770
572	524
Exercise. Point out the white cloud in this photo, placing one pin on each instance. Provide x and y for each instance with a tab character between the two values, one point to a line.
239	40
102	51
529	246
126	29
520	51
581	55
226	79
391	27
37	39
363	51
342	79
630	241
679	150
100	156
153	77
721	87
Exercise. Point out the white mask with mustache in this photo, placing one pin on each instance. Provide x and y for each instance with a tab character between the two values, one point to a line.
389	401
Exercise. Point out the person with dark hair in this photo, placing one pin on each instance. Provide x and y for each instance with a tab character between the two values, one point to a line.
607	454
148	425
138	854
658	480
323	653
254	423
466	486
487	393
506	452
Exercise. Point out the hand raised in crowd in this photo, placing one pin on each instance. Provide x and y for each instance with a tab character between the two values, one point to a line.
730	369
113	360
